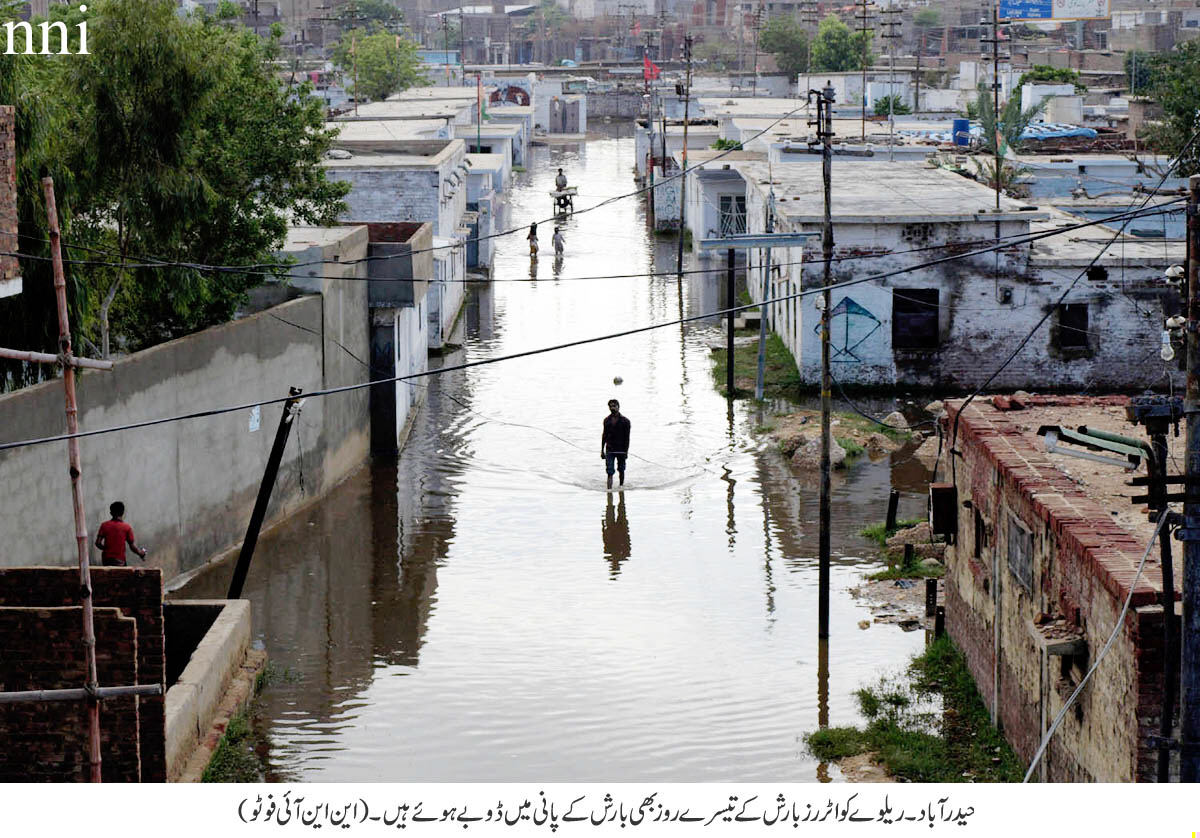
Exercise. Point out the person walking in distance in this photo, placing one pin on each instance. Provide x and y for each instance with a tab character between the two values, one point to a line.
614	442
559	241
112	537
533	242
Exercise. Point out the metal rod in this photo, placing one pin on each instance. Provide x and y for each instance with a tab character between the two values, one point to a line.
47	358
687	95
76	470
730	256
264	494
1189	712
760	375
1167	723
823	559
76	694
889	523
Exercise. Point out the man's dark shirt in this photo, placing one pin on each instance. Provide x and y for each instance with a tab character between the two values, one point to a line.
616	434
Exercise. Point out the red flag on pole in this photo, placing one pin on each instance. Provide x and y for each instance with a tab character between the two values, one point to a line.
650	70
636	29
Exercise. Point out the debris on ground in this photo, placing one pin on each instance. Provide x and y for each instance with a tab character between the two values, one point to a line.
894	603
922	540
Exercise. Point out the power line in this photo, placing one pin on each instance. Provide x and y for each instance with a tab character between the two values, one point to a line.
1012	240
1120	623
543	350
1063	296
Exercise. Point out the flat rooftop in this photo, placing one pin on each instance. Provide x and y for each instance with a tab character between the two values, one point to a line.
393	159
410	109
488	129
1080	247
489	162
455	94
302	238
871	192
377	130
1100	484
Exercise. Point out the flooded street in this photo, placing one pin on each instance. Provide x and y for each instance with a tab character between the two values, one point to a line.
483	610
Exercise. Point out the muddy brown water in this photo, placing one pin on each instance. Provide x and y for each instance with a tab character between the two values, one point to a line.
482	610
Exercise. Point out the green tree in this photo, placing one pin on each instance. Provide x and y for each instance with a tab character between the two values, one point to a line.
372	15
386	63
837	49
1045	74
715	54
1139	71
999	138
1173	84
927	18
893	104
786	39
172	142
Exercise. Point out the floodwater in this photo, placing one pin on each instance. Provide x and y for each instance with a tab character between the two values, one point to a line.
483	610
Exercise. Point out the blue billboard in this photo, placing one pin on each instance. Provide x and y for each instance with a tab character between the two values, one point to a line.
1053	9
1026	9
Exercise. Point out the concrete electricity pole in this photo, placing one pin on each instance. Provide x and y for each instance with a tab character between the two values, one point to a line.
890	34
1189	711
687	95
825	137
864	27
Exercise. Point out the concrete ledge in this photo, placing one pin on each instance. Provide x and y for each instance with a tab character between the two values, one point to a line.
237	696
192	702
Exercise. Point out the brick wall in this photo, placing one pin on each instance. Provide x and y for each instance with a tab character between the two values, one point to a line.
1083	566
40	648
33	600
8	193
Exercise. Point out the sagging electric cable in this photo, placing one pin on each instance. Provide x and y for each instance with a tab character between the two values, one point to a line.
527	353
1046	316
1017	240
1120	623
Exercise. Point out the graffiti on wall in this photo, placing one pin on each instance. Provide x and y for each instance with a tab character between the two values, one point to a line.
850	326
510	93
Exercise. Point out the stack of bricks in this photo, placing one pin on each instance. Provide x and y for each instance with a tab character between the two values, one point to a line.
41	647
8	194
1085	566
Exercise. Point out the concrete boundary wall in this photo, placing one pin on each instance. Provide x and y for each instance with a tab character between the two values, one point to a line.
192	701
189	486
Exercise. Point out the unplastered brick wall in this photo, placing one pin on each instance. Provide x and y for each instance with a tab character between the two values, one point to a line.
41	648
8	193
1082	567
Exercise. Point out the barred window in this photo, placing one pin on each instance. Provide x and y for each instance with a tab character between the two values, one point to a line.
733	215
1020	552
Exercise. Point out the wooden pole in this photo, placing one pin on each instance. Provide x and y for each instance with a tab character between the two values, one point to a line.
81	534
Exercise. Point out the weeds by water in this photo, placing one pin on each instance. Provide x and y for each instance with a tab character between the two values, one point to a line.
781	379
237	757
879	533
928	725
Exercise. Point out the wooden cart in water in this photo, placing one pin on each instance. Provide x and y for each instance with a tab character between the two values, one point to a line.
564	199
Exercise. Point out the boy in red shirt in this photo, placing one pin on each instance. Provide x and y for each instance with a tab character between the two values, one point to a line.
113	536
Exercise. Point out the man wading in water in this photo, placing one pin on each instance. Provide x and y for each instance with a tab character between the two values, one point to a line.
614	441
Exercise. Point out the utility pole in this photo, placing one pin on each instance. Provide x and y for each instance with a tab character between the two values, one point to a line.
687	96
758	23
1189	713
996	141
730	259
917	77
890	24
445	51
291	409
766	303
825	100
864	27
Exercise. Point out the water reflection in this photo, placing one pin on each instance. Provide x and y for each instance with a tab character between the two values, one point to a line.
443	617
614	532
